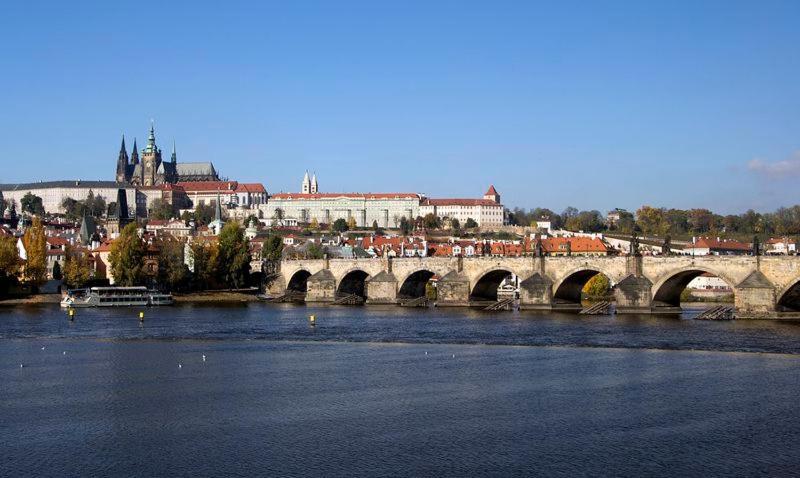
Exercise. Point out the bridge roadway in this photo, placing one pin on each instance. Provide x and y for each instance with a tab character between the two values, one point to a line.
762	286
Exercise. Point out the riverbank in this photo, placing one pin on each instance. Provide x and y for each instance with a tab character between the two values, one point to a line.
32	299
214	297
190	298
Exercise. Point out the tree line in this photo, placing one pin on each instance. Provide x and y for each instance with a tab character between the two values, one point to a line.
649	220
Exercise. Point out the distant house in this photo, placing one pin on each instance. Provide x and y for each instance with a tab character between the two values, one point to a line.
576	246
707	246
780	246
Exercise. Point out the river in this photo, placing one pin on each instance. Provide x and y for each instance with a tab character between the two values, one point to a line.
386	391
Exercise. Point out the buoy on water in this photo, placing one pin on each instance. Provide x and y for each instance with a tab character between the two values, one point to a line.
141	316
204	357
71	313
312	319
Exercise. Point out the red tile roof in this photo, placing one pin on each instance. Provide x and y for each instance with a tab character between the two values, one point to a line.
57	241
724	244
492	191
577	244
460	202
212	186
346	195
250	188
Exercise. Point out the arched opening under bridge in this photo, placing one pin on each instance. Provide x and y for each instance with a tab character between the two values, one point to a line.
584	285
790	300
488	288
692	285
353	283
415	285
299	281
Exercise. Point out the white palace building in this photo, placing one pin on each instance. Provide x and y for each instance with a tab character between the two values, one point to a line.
385	209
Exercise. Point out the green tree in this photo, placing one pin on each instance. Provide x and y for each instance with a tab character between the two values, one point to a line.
234	255
9	263
127	257
57	275
203	214
470	223
431	221
405	226
95	205
651	221
161	209
278	217
597	287
273	248
206	261
314	251
73	210
173	274
35	244
32	204
77	272
455	224
340	225
351	223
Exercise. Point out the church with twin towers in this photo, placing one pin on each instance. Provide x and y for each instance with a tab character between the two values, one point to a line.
147	167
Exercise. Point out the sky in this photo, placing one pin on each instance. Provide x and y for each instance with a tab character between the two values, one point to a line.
594	105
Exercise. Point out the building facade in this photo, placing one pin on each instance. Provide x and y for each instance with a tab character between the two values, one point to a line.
487	212
53	193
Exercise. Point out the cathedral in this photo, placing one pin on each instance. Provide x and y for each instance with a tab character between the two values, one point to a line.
151	170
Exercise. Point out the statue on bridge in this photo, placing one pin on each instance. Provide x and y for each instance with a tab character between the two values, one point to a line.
634	248
537	249
756	246
666	248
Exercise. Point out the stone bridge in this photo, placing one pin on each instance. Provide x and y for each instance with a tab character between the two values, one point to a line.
762	286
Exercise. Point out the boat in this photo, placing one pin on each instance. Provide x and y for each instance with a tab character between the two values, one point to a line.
115	297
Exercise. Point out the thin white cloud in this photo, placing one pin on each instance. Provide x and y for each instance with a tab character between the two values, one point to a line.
788	168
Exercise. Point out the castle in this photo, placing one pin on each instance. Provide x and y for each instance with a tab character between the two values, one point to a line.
151	170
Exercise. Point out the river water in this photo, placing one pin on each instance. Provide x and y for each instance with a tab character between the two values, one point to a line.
389	391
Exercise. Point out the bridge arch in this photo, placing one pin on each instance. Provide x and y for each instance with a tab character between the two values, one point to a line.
789	298
414	284
668	288
298	282
485	288
352	282
569	289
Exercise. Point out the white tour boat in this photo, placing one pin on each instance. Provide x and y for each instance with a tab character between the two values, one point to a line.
115	297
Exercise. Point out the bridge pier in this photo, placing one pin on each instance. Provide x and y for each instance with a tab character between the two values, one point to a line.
453	290
381	288
633	295
536	293
321	287
754	297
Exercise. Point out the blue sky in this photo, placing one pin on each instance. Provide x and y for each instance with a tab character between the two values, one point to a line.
589	104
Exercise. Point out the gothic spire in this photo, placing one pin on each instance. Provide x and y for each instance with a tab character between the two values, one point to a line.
122	163
134	153
174	155
151	140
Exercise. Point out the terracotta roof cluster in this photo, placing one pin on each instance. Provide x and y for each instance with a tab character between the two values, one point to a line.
578	245
397	244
